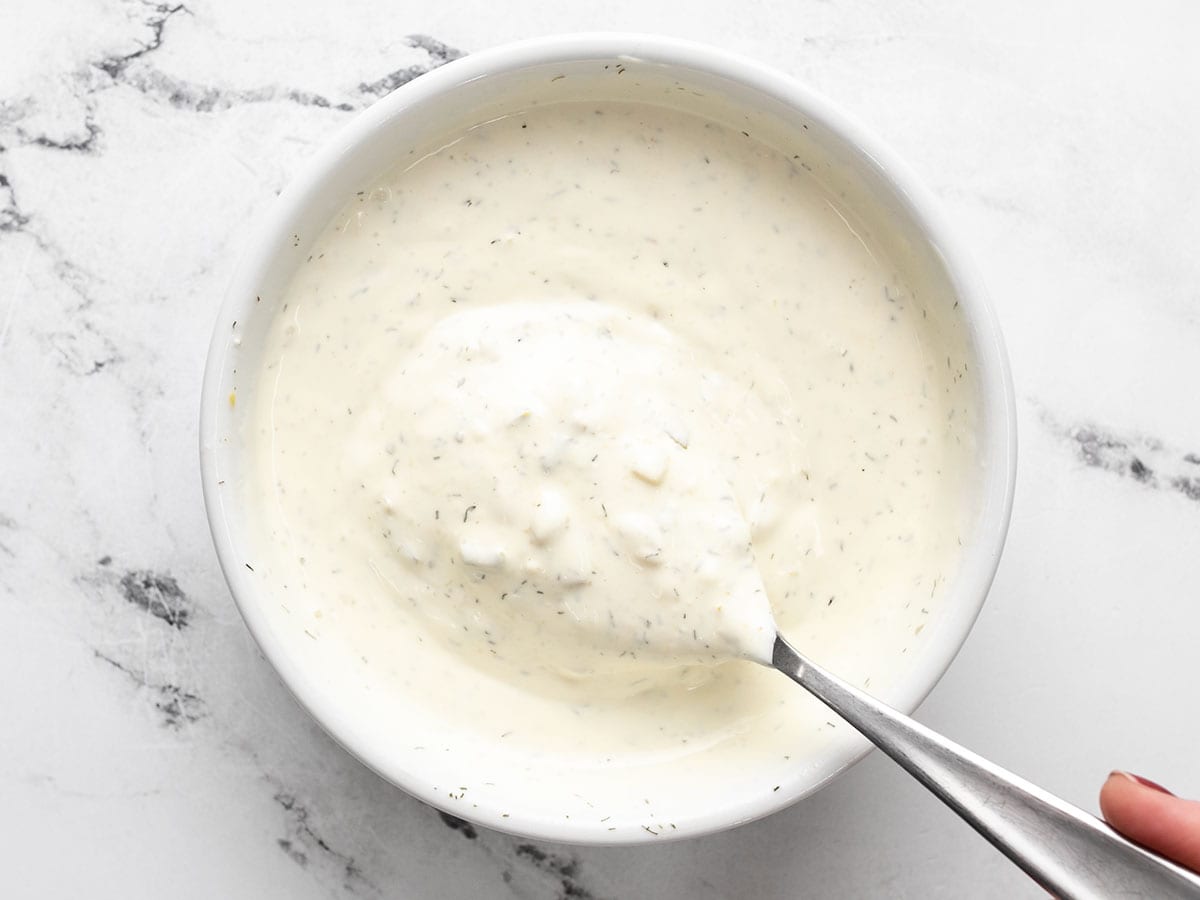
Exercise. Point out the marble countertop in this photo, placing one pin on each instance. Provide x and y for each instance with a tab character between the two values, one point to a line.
148	750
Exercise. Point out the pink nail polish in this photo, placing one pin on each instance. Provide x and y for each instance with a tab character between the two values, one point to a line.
1144	782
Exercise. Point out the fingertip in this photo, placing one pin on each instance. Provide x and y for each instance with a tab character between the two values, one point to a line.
1113	794
1149	814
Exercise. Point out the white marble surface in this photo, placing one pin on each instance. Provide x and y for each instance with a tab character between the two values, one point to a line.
149	751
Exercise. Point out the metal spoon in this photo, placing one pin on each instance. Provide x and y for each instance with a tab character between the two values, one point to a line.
1068	852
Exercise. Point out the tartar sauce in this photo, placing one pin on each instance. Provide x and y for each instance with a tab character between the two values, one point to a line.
556	416
555	483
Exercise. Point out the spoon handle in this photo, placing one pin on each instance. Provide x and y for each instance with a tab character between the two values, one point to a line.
1065	850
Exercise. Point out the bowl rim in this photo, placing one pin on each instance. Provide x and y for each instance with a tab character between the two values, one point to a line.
997	432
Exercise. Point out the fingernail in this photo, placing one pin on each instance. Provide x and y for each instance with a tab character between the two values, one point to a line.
1144	782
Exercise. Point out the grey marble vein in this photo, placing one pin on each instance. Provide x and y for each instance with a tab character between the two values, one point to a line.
11	217
7	524
177	705
439	53
158	15
561	866
157	594
306	847
1142	459
528	868
186	95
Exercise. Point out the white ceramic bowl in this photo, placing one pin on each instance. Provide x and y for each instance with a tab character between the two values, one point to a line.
453	96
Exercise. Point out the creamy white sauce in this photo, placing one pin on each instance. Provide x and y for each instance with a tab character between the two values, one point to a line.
553	419
555	484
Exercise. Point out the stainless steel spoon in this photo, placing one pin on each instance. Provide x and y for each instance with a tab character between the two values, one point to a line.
1068	852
